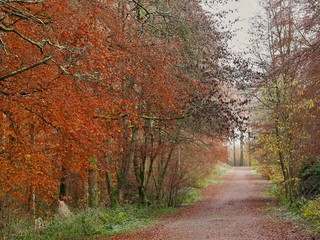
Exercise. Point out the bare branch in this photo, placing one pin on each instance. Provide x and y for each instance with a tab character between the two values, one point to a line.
41	117
21	70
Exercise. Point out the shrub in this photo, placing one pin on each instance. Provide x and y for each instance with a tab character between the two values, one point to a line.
309	175
200	184
311	210
191	195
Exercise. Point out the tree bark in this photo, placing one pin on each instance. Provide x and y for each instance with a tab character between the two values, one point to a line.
93	188
241	150
234	152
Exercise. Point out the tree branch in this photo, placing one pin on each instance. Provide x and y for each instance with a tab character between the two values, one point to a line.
21	70
41	117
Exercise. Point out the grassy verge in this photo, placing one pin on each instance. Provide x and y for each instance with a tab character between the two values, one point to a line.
284	214
92	223
304	215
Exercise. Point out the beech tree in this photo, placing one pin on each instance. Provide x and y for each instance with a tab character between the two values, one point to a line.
288	107
100	96
75	78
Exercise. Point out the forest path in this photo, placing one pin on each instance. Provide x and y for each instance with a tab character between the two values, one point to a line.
233	210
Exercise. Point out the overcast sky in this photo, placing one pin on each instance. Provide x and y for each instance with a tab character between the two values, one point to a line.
244	10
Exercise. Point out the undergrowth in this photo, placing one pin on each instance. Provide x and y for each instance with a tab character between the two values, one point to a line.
305	213
90	223
192	195
311	212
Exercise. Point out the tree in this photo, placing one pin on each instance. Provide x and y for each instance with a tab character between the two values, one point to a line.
286	104
97	96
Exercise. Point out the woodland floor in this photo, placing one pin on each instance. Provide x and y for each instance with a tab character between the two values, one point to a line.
236	209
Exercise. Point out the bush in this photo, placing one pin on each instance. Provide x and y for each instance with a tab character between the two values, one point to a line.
309	175
311	210
200	184
190	196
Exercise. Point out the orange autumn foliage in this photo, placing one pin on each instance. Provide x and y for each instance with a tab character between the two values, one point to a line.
69	71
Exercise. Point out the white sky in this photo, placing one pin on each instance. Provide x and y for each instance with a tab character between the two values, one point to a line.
245	10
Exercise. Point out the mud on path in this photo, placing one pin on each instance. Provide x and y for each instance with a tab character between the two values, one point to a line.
233	210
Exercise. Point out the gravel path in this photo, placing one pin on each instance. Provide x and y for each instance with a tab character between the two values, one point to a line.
233	210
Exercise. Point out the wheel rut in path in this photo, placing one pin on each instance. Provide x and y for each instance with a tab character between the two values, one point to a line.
234	210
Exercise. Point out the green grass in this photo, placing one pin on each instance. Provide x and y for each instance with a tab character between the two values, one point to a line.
222	170
192	195
304	215
285	214
91	223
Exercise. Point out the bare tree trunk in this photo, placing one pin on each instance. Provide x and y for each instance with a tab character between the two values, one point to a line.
241	149
92	188
234	152
124	173
111	190
249	149
33	188
140	167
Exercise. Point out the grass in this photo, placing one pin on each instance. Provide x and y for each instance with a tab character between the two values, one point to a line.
92	223
221	170
192	195
284	214
293	213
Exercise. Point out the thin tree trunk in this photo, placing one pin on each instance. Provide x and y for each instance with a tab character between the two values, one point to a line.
111	191
284	169
241	150
249	149
33	188
234	152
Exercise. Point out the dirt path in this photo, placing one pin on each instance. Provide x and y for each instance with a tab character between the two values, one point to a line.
234	210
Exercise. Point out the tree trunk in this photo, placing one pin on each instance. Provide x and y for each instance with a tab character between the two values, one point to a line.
234	152
140	167
241	149
126	165
285	171
93	188
249	149
113	196
33	188
64	184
